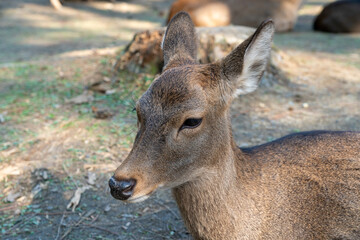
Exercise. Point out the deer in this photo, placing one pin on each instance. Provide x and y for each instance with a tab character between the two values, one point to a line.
302	186
214	13
339	17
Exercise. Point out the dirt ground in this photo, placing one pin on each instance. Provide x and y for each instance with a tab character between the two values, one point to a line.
49	146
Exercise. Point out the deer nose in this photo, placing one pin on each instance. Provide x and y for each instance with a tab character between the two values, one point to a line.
121	189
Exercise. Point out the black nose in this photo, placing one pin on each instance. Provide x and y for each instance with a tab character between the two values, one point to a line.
122	189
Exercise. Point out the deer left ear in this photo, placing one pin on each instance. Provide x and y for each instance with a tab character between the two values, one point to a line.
243	68
179	42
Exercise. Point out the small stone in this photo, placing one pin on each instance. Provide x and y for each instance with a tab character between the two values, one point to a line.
107	208
45	175
49	207
106	79
262	105
110	91
126	226
305	105
2	118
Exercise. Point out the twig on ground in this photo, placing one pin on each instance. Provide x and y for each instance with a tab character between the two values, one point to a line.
8	208
78	223
53	213
168	208
151	231
59	228
100	228
95	218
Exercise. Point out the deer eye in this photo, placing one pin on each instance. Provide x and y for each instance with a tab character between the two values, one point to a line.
191	123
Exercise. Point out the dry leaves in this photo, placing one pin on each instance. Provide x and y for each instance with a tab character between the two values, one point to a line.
11	197
75	200
91	178
102	113
85	97
101	86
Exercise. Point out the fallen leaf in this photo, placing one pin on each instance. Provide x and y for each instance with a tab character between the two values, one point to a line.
21	199
9	152
75	200
41	174
126	226
6	171
38	188
85	97
100	87
11	197
106	79
91	178
110	91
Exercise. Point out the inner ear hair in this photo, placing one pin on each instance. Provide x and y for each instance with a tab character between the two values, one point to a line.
245	65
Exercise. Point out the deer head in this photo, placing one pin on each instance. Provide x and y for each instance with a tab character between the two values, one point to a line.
184	128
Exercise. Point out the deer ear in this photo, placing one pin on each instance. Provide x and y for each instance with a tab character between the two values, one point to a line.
179	42
243	68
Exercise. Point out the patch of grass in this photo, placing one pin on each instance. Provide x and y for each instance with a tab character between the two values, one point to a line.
31	93
34	96
25	91
67	184
30	209
129	88
69	125
6	222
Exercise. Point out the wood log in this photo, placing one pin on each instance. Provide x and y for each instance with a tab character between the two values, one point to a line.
144	55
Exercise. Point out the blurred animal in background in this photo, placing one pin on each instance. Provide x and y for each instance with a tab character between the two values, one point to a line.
204	13
211	13
339	17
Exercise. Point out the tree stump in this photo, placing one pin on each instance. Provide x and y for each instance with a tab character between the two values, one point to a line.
144	54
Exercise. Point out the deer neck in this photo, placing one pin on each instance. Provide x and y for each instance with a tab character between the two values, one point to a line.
213	205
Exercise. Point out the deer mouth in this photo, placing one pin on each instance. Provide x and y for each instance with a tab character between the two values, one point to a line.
138	199
142	197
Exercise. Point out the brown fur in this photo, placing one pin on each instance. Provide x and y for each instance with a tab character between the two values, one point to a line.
205	13
303	186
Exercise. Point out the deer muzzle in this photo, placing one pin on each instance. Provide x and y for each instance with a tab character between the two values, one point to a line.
122	189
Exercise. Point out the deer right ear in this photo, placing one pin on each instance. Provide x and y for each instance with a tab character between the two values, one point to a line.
179	42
